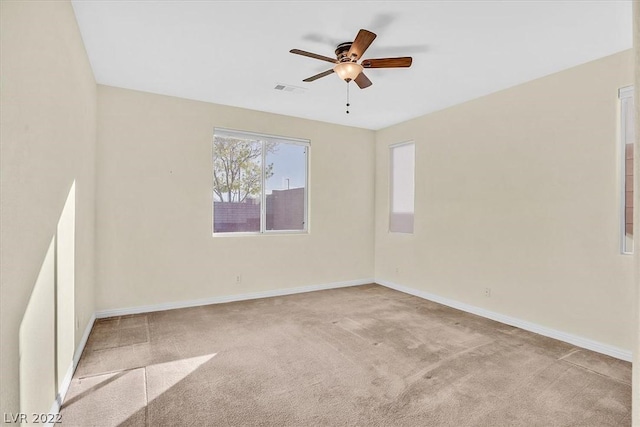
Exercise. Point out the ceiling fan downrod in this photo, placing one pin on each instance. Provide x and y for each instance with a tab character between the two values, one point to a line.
348	98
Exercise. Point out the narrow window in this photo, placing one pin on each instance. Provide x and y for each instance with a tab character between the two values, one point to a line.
402	187
259	183
627	136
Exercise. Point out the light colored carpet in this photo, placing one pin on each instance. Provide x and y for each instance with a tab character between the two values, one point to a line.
360	356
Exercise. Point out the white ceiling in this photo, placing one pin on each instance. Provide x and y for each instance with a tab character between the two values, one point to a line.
235	53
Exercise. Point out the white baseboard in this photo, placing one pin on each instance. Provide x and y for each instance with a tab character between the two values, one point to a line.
586	343
229	298
66	381
82	343
55	409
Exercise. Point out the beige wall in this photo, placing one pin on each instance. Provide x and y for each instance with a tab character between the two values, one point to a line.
48	133
154	241
37	341
519	191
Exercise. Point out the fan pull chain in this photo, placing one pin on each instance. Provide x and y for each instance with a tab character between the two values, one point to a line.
348	98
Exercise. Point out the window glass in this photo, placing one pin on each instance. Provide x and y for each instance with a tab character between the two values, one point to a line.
237	184
285	187
402	188
627	136
259	183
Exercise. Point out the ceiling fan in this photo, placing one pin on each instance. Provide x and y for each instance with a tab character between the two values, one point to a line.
347	56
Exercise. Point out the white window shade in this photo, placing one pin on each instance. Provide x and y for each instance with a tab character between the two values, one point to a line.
402	185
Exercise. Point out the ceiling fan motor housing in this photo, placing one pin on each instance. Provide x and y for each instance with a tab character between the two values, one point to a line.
342	52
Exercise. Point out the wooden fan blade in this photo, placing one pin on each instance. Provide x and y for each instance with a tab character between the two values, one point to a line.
404	61
313	55
361	43
317	76
363	81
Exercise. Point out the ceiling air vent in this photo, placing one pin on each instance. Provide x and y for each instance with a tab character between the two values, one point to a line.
289	88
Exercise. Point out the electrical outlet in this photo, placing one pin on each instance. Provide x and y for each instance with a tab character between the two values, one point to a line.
487	292
397	270
77	323
238	279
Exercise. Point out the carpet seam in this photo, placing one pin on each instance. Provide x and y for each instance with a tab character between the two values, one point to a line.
146	399
115	371
574	351
596	372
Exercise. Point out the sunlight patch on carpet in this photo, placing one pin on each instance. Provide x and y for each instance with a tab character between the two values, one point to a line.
174	372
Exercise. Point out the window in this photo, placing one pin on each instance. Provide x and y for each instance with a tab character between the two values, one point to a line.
627	136
259	183
402	187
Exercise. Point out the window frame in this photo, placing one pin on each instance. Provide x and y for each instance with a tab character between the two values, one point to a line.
390	182
262	138
624	93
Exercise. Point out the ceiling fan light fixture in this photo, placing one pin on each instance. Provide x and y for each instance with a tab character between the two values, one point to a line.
348	71
347	56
